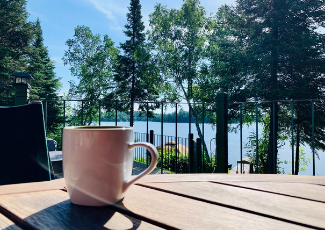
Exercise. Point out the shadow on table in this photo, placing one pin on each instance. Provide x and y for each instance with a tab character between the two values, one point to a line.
66	215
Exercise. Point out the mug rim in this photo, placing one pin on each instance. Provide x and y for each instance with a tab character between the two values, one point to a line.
98	128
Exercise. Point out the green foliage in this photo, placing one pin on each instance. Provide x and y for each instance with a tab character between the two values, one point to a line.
303	161
170	160
179	38
263	144
277	51
22	50
15	39
91	61
45	84
182	117
136	74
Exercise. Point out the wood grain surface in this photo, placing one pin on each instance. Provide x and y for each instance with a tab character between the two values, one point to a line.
276	206
303	190
186	213
53	210
32	187
187	201
7	224
234	177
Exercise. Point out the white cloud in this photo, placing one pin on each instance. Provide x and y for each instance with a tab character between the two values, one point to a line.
110	9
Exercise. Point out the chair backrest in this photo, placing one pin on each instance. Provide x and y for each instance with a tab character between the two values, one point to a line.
23	149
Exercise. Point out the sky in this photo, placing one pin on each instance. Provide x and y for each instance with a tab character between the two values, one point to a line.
59	18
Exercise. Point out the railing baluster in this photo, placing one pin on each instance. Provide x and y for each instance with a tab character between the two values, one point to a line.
176	142
257	154
241	138
203	155
274	142
292	141
313	134
63	113
115	113
99	112
147	139
162	137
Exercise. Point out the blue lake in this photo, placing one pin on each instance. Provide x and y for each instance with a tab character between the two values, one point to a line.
284	154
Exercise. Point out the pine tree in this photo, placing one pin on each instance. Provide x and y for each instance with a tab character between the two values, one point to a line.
285	54
45	84
136	76
15	37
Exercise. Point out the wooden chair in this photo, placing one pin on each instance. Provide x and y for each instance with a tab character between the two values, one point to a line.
23	148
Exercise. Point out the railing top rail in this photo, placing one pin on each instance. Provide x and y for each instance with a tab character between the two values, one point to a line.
123	101
287	101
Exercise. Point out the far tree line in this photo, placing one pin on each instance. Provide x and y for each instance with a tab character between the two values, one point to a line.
253	51
182	117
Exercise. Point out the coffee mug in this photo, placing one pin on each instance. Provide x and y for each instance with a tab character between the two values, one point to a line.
98	162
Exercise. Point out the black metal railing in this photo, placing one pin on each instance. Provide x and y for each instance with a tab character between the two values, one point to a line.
289	104
206	108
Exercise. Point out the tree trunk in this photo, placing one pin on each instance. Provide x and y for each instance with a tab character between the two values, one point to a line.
194	114
273	140
297	150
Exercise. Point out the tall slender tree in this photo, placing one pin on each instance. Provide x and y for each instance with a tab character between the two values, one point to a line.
136	74
15	38
91	61
179	38
45	84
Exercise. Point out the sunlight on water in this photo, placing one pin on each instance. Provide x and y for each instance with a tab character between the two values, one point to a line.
285	152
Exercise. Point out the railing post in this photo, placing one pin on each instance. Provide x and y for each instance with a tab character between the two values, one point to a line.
151	135
191	152
222	134
198	155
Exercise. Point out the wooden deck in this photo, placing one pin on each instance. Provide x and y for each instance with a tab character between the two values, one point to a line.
190	201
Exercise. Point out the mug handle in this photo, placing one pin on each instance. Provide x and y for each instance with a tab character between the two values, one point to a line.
154	159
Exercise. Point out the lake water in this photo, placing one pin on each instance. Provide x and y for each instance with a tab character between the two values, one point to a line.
284	153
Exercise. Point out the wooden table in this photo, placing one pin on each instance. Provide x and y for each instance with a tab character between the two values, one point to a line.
192	201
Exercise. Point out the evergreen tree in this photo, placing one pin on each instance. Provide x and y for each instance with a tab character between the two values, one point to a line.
45	84
136	74
285	54
15	37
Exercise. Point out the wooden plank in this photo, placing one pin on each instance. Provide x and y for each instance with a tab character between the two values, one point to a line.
308	191
233	177
283	207
5	223
60	183
53	210
32	187
185	213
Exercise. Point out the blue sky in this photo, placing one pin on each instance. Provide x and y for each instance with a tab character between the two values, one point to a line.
59	18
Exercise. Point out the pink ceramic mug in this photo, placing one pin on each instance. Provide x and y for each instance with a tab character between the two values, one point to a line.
98	161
